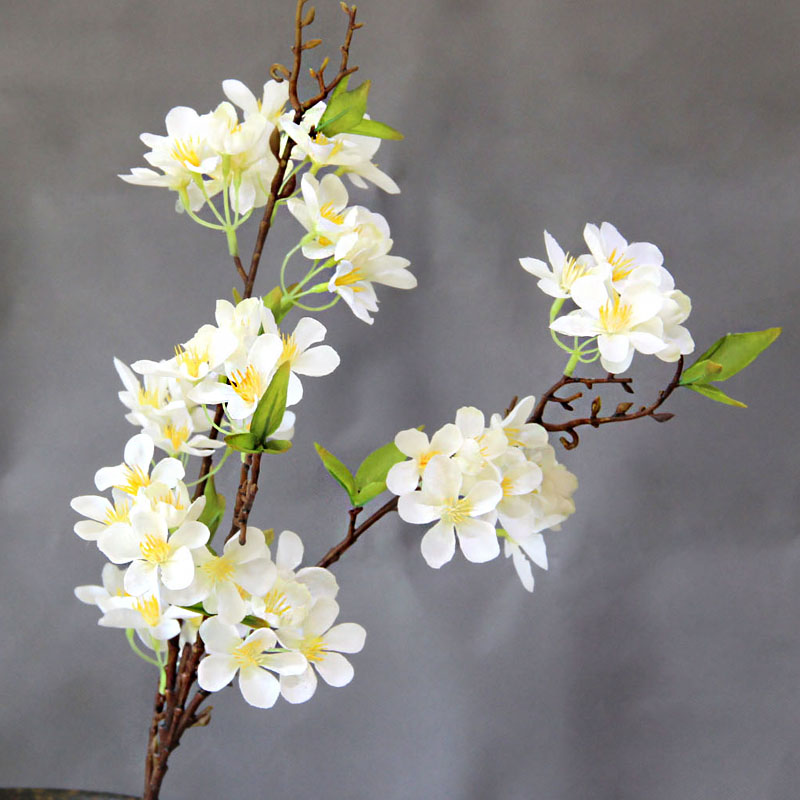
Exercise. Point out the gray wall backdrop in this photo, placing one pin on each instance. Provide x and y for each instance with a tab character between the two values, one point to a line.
660	656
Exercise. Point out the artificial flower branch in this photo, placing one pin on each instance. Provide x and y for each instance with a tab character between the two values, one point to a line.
241	611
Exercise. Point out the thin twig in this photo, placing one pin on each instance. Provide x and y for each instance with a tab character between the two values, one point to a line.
621	414
353	533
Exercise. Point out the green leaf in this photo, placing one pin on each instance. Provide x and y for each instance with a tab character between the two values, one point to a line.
279	303
271	407
380	130
237	298
214	509
369	492
338	470
715	394
377	464
345	110
728	355
272	300
277	445
243	442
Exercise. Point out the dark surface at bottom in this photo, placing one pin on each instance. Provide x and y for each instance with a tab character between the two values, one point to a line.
59	794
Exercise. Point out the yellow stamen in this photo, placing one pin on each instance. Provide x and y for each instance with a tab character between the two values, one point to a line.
276	603
313	649
149	397
149	609
248	655
572	270
615	316
512	434
350	279
119	513
289	352
135	478
425	458
323	140
154	549
328	212
457	512
247	384
185	151
622	267
218	568
171	498
176	435
507	485
191	358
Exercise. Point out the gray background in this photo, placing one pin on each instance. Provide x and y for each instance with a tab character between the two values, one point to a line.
660	656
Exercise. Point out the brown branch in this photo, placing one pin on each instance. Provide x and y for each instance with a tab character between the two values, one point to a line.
171	716
205	464
353	533
239	268
622	412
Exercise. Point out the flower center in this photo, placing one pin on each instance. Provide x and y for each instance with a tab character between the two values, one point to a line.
621	266
571	272
135	478
149	397
290	348
149	609
313	649
177	436
457	512
350	278
276	602
329	213
154	549
615	316
185	151
119	513
218	568
507	485
247	384
425	458
248	655
191	358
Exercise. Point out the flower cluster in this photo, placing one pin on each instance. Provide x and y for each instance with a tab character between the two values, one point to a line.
231	363
626	298
255	616
473	477
203	155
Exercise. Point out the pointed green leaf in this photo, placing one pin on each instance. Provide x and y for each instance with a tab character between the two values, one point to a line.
242	442
377	464
271	407
337	469
713	393
344	111
277	445
701	372
732	352
369	492
214	509
237	298
380	130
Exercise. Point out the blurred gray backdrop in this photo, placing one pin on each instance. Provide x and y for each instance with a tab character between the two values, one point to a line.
659	657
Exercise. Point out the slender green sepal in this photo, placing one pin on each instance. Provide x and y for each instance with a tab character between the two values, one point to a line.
271	407
214	509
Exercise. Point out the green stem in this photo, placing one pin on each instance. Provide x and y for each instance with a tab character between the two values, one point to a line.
129	634
215	470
